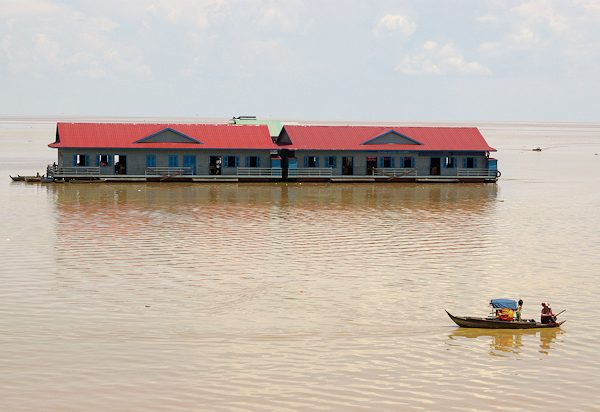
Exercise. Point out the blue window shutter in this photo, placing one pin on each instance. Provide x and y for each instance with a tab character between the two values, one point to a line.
74	160
97	160
87	160
464	162
316	161
110	160
334	163
247	161
305	161
237	161
392	162
257	161
150	161
474	163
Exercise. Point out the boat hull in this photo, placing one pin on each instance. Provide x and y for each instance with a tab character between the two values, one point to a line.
469	322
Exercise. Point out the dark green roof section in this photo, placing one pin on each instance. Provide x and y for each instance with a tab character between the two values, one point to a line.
274	126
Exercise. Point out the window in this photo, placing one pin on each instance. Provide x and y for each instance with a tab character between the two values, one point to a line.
80	160
450	162
232	161
387	162
151	160
104	160
252	161
311	161
470	162
407	162
330	161
173	161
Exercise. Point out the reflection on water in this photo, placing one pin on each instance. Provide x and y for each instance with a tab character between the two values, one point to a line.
178	297
510	341
430	197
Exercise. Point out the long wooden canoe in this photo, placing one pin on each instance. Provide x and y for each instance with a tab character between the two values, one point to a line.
469	322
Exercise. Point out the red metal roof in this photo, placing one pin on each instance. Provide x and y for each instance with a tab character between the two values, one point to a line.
353	138
127	135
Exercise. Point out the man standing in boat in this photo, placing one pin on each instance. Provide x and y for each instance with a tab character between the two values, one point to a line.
547	315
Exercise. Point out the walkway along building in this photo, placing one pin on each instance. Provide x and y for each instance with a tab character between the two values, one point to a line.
251	152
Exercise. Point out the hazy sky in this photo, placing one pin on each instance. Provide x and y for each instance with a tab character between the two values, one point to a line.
428	60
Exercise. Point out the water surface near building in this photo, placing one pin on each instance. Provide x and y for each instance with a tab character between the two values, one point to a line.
271	296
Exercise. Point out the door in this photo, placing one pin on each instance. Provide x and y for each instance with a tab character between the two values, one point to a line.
347	166
120	164
214	165
190	161
435	165
371	164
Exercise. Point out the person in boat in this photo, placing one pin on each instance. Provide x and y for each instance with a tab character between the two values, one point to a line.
506	314
547	315
505	308
519	309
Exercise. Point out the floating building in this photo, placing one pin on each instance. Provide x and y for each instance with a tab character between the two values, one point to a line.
253	150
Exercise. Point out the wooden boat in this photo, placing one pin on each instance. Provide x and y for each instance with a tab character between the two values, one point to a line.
484	323
33	178
18	178
47	179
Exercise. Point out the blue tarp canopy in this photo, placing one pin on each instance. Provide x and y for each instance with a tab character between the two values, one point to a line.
504	303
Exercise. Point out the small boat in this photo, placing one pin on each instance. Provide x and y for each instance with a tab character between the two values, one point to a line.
47	179
33	178
489	323
18	178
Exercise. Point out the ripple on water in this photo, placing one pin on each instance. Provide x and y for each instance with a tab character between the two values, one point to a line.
296	297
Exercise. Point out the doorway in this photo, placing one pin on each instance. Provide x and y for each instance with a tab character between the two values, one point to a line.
435	165
347	166
214	165
371	164
120	164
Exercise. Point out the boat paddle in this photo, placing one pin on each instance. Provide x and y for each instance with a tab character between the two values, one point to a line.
564	310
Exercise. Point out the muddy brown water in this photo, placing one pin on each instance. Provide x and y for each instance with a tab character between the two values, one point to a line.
178	297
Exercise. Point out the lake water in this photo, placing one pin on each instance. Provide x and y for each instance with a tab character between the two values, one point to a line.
178	297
